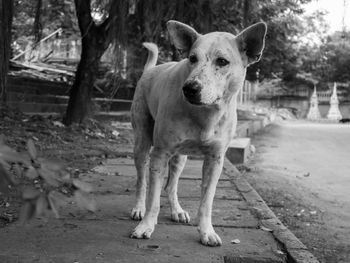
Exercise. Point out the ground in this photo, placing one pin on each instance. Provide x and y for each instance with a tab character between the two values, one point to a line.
239	217
302	171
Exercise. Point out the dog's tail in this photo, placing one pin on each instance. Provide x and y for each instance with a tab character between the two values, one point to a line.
152	55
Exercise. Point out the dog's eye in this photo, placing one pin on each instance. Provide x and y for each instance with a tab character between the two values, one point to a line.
193	59
221	62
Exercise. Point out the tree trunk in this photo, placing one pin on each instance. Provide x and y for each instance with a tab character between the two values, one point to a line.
6	13
37	23
80	99
94	44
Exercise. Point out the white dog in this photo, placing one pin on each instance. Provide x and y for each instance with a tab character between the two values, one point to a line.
186	107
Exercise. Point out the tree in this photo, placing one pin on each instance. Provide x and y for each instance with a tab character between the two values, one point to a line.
44	15
6	13
96	38
146	21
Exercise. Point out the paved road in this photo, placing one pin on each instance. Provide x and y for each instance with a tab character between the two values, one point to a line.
310	162
323	150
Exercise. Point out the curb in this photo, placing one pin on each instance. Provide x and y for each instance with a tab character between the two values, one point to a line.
295	250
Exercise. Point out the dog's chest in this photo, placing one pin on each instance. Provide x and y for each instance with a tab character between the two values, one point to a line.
190	140
191	147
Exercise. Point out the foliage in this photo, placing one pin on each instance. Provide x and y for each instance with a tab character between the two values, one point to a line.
286	27
336	60
39	200
54	14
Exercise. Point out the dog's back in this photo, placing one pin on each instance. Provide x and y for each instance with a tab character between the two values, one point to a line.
159	80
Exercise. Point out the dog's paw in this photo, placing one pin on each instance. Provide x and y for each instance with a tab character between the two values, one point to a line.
210	238
137	213
143	230
180	216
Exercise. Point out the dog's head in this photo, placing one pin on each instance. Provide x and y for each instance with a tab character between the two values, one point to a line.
217	60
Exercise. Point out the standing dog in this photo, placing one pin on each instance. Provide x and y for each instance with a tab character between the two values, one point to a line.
186	107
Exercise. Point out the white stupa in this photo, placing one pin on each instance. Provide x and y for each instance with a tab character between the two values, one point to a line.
314	113
334	112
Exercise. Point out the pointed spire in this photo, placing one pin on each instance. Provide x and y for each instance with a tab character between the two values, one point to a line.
334	94
314	94
314	113
334	112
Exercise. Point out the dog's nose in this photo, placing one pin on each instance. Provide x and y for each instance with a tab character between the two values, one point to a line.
192	90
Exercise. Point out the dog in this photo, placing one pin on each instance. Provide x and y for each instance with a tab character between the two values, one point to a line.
187	107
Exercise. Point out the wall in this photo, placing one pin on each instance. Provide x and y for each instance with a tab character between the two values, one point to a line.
302	105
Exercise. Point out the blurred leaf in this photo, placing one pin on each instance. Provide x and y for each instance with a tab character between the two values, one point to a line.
31	149
4	182
18	170
9	155
84	201
50	177
30	193
31	173
42	205
6	179
51	165
53	200
65	177
5	165
27	212
83	186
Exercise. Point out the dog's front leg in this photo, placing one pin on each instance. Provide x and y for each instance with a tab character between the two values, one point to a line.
212	168
158	163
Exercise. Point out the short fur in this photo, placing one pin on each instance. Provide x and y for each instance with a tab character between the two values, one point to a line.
184	108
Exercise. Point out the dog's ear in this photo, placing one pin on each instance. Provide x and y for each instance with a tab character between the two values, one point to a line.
182	35
251	42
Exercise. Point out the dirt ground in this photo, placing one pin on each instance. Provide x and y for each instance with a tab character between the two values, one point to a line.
79	147
302	171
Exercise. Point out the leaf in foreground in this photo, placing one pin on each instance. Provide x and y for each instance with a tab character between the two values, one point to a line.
83	186
30	193
27	212
31	173
11	156
5	180
84	201
50	177
31	149
54	200
41	206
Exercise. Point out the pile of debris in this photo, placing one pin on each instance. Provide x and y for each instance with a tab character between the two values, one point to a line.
52	71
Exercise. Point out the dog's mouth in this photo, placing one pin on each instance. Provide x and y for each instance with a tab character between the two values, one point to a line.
197	102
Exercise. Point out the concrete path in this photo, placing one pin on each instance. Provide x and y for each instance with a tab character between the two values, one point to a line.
79	236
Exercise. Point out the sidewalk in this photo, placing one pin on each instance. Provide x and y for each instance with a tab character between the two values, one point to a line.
79	236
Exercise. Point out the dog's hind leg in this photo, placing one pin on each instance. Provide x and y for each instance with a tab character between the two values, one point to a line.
143	129
176	165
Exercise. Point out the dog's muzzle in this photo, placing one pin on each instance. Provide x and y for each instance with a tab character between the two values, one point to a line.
192	92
